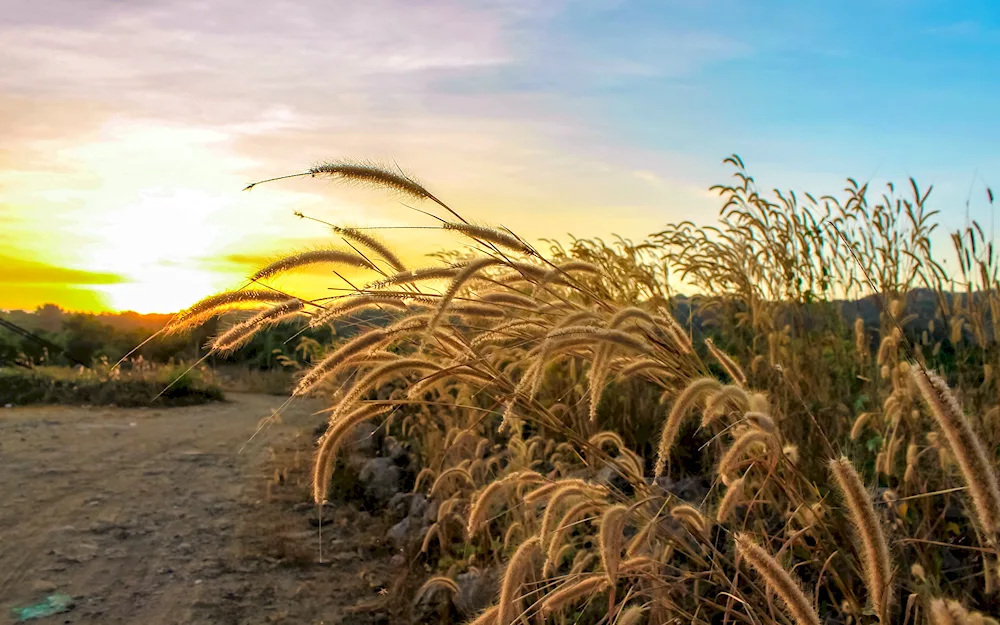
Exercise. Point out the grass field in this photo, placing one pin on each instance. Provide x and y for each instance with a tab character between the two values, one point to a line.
762	452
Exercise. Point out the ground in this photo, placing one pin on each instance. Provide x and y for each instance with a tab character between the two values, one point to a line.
157	516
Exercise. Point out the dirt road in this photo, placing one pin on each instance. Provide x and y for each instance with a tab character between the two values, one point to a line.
142	516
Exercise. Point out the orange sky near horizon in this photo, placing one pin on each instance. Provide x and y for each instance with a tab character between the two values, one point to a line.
154	217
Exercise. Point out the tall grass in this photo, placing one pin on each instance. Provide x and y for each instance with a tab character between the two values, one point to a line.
558	402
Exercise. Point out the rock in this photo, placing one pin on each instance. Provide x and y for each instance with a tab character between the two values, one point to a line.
399	534
476	590
381	479
397	560
399	506
325	517
353	462
435	606
431	512
364	438
392	448
115	553
43	586
614	480
184	548
691	489
103	526
418	506
949	559
78	552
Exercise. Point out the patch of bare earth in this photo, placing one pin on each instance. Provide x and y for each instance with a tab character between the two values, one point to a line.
156	516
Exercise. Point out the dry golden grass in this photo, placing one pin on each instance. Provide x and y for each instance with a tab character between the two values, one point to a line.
557	404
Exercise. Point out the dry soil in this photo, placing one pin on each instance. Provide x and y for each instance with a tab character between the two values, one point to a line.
156	516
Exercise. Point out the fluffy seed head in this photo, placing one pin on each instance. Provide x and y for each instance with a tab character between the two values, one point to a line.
518	569
868	531
214	305
778	580
966	448
493	235
312	257
612	539
572	591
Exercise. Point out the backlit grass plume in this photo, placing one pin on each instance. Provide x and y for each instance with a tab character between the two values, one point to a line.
312	257
221	303
966	447
240	333
326	454
951	612
365	174
874	548
778	580
373	244
572	591
335	310
492	235
521	564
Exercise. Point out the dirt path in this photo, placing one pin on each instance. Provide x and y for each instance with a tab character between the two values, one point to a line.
141	515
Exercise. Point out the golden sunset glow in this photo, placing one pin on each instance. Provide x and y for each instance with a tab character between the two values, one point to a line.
159	211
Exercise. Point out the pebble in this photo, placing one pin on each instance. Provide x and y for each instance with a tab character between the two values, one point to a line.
43	586
102	526
79	552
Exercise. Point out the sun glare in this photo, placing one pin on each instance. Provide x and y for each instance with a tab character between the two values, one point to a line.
163	289
158	244
127	206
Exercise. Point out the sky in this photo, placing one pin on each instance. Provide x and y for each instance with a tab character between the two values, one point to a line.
128	129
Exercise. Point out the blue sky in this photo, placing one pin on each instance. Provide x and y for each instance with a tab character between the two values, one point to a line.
126	121
883	88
